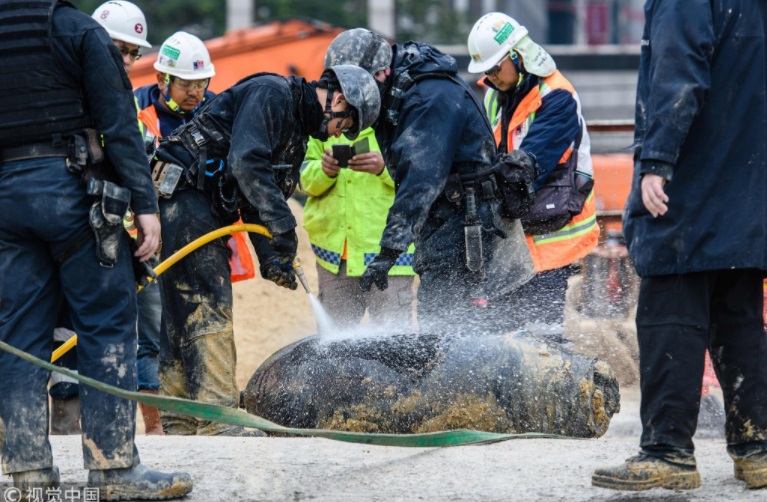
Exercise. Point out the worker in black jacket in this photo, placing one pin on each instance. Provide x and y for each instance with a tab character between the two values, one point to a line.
437	143
239	157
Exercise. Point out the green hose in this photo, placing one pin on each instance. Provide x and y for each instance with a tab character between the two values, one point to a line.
233	416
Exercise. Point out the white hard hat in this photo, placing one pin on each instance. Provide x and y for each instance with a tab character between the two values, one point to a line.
495	35
123	21
184	55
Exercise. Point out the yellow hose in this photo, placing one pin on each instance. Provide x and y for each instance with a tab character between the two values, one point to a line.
174	258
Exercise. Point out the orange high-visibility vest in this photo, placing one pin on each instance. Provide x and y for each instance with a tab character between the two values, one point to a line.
576	239
151	130
241	261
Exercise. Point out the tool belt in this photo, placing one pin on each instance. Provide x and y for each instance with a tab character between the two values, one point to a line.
33	151
465	174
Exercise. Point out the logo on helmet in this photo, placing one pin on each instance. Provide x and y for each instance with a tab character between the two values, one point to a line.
165	60
171	52
139	28
504	33
198	65
105	14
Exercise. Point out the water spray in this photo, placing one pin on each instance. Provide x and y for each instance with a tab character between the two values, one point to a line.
301	276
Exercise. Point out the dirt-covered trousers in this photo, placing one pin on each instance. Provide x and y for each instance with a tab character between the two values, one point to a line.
197	352
678	318
43	211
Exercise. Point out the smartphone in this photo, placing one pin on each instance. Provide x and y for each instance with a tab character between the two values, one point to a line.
361	146
342	153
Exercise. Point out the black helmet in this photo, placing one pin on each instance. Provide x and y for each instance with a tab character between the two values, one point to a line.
359	47
361	92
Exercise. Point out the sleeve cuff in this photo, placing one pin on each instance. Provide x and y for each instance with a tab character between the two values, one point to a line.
282	225
659	167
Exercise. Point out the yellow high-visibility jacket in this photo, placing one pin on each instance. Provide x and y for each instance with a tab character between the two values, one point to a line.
346	215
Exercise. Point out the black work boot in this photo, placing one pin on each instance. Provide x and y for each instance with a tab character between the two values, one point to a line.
644	472
42	478
139	483
752	469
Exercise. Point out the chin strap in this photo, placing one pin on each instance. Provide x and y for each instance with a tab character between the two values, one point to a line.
173	105
330	115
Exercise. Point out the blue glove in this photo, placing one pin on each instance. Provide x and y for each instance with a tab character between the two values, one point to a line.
378	270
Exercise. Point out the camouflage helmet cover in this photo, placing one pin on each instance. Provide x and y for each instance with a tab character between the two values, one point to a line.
359	47
361	92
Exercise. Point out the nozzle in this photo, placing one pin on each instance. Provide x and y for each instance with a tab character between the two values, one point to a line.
301	275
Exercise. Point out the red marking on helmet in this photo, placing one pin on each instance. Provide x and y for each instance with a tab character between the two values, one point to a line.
105	14
139	28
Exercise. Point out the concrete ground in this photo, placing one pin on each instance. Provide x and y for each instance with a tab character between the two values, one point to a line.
295	469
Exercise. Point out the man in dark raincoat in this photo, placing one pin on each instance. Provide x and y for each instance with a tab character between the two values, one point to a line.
696	227
436	142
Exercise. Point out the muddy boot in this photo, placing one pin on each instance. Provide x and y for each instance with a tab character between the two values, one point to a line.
643	472
139	483
65	416
241	432
26	480
752	469
151	415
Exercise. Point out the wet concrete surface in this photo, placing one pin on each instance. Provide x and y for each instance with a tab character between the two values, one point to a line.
298	469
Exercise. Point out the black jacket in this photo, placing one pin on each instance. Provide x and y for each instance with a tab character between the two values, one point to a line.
439	128
702	108
86	52
269	118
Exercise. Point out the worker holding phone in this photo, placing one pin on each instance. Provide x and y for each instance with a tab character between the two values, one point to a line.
349	194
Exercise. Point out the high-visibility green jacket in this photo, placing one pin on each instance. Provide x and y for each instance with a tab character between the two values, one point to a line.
350	208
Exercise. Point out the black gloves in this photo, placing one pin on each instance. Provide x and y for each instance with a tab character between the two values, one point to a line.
279	275
378	270
285	246
278	266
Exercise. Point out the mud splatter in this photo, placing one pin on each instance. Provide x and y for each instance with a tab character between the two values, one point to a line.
469	411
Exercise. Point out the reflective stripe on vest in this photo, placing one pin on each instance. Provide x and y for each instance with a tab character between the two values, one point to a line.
572	229
568	244
404	260
576	239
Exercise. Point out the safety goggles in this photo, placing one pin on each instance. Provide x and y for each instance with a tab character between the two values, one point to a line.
492	72
134	54
190	84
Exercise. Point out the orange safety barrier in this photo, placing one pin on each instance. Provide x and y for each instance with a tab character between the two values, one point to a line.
241	261
709	377
289	47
